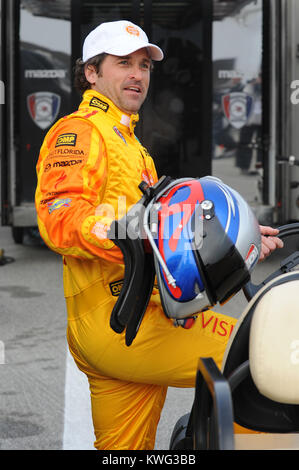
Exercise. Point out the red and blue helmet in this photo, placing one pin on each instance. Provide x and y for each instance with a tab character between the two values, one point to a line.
206	241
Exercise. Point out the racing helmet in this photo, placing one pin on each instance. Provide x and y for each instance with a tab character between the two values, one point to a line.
206	241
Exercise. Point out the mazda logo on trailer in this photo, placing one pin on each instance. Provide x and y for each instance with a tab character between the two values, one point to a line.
43	107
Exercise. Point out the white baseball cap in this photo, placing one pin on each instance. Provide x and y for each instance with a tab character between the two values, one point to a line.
118	38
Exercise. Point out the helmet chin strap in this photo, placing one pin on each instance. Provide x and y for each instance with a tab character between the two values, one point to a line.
152	210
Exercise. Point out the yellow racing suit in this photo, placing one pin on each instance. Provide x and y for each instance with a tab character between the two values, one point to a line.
89	169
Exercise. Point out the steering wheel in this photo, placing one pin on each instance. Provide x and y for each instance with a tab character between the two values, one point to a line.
286	265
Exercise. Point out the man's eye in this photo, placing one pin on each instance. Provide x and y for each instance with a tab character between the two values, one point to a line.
124	62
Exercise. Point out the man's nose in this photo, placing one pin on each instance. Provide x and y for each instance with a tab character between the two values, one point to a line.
136	72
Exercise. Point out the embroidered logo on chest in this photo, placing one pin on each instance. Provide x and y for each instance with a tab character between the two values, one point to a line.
97	103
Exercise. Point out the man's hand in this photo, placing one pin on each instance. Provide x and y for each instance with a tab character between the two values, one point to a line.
269	241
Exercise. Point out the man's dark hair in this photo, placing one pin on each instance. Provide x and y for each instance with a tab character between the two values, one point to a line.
80	82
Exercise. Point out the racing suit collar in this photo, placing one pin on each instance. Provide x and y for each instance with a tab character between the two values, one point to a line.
95	100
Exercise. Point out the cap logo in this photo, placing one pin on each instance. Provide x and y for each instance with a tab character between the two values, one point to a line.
132	30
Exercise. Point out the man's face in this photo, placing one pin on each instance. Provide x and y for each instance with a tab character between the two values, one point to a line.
124	80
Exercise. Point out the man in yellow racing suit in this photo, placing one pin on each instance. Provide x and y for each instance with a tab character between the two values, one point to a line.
89	169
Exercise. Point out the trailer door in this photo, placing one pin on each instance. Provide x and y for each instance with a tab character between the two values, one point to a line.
175	120
241	102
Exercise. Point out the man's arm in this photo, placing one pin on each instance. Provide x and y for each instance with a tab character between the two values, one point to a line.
72	172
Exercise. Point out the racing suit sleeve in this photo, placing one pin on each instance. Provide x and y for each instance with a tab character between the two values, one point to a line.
71	178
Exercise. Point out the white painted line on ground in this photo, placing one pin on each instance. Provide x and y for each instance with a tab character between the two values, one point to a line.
78	430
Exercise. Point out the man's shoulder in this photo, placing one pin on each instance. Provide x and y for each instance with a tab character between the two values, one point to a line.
84	117
69	130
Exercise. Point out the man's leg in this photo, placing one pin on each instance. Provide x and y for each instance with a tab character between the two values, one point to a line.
162	354
128	384
125	414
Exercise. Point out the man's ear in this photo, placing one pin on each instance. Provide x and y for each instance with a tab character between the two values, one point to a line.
90	73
